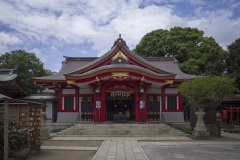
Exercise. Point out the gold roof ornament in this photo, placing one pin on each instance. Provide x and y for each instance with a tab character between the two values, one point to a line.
116	74
70	82
169	82
120	55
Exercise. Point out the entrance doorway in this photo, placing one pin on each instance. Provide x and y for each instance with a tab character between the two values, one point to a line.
120	105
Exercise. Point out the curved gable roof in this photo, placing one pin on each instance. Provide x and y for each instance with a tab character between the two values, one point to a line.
119	45
82	66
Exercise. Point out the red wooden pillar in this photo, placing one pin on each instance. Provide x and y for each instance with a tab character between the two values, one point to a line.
145	108
180	102
95	110
103	107
231	120
137	108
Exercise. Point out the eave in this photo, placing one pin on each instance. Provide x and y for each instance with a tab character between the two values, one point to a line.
109	69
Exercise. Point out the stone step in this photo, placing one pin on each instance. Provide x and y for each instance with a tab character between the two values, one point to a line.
120	129
123	129
119	135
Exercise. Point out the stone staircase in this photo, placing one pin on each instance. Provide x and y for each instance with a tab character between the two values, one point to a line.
115	129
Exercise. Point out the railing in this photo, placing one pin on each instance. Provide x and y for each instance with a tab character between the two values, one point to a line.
77	120
163	120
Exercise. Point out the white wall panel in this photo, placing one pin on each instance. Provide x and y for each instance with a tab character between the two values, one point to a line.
85	91
68	91
154	91
49	110
171	90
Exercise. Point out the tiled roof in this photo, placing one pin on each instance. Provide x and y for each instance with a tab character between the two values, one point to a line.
7	75
171	66
10	85
166	64
95	61
68	66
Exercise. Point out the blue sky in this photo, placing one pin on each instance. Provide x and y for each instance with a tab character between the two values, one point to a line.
88	28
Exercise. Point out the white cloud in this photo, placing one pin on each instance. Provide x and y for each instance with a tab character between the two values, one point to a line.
9	39
219	25
40	55
57	23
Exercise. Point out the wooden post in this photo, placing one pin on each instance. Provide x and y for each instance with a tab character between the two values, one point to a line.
27	113
103	108
6	105
137	109
95	110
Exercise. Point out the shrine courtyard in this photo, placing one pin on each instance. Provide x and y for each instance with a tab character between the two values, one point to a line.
174	147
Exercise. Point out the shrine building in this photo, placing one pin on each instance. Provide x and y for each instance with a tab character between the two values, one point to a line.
119	86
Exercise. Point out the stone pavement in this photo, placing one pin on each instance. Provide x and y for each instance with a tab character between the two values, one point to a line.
120	150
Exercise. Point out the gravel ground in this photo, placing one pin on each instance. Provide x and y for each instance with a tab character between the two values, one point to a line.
193	152
66	154
62	155
73	143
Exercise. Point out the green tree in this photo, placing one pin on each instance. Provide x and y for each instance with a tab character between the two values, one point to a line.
196	54
28	66
233	61
207	91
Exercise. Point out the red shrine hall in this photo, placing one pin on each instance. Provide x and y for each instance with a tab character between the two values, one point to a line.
119	86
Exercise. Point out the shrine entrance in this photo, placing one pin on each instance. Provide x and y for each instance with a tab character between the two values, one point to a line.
120	108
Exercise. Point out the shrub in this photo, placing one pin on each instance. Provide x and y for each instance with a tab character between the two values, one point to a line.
18	139
36	145
188	130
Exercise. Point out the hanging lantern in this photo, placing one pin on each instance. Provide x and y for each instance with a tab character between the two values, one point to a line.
142	104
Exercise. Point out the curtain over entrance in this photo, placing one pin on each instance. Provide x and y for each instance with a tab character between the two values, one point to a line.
120	105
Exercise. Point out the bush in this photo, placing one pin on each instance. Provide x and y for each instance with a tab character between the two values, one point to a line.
188	130
18	139
36	145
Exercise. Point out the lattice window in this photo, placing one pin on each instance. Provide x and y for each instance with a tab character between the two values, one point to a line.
172	102
69	103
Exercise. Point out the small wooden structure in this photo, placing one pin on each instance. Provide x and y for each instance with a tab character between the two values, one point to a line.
26	114
230	109
233	112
